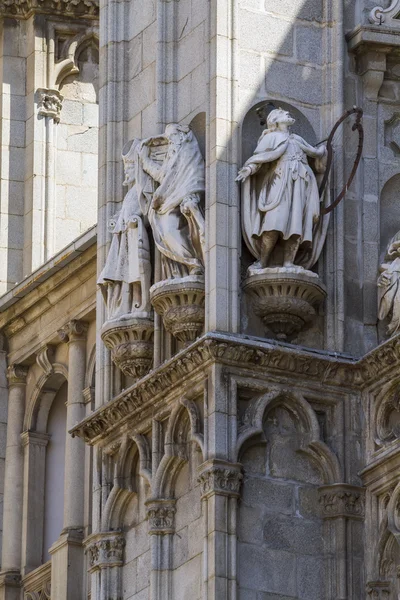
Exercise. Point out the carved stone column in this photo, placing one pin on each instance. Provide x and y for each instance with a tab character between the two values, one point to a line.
67	553
220	486
340	503
161	515
13	481
105	553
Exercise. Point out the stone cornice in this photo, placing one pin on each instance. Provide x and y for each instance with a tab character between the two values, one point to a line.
67	8
265	356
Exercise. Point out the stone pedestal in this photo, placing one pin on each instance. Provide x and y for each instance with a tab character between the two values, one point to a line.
131	344
67	566
180	302
286	299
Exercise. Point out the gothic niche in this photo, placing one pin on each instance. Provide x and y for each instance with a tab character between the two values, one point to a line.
387	419
282	223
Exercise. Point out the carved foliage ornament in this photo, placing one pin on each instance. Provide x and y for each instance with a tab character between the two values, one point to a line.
23	8
219	477
105	550
341	500
161	516
49	103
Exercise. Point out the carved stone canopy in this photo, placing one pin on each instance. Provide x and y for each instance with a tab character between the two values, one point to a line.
70	8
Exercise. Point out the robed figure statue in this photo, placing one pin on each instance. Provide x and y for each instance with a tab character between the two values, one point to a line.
125	279
175	212
281	214
389	286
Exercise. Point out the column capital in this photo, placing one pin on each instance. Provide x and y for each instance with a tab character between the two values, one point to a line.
74	331
49	103
17	374
220	477
105	550
342	500
161	516
378	590
34	438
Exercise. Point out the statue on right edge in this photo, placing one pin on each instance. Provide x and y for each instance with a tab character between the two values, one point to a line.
281	215
389	286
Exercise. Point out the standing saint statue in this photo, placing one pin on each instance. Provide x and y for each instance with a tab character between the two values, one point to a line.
175	212
125	279
389	286
280	200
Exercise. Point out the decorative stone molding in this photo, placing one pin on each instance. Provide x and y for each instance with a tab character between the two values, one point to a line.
105	550
17	374
131	345
74	8
380	15
286	299
49	103
180	302
161	516
378	590
342	500
34	438
74	331
37	584
265	357
220	477
44	359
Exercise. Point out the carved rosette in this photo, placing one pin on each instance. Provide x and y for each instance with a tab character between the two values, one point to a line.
220	477
342	500
286	299
378	590
180	302
131	345
105	550
17	374
161	516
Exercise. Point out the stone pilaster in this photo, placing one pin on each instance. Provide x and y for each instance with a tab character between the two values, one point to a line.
33	499
340	503
220	483
161	516
13	482
68	550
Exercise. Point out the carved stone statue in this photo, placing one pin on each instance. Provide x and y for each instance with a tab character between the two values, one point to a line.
125	279
389	286
283	227
175	212
280	200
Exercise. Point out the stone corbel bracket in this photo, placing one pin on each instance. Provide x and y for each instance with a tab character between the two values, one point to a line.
161	516
105	550
45	359
342	500
220	477
49	103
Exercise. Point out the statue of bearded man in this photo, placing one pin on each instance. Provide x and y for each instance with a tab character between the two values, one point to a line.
280	198
175	213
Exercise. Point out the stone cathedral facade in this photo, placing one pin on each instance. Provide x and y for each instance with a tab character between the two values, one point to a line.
200	299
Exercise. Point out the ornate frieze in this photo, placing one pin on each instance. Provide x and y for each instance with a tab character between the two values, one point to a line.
220	477
161	516
24	8
342	500
105	550
74	331
49	103
266	357
17	374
